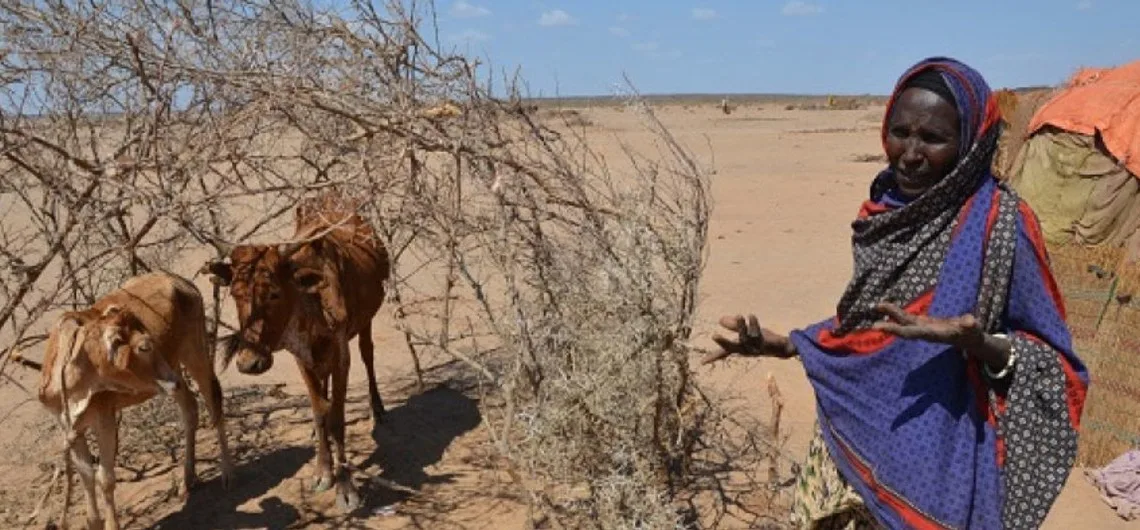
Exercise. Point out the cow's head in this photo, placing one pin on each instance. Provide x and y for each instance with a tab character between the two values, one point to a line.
113	341
268	283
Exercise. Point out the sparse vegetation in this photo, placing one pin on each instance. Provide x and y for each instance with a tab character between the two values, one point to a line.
568	117
134	137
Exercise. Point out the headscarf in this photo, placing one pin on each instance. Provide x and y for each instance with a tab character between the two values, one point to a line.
897	253
932	80
918	430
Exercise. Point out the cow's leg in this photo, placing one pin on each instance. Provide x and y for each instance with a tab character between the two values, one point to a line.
107	433
315	383
207	382
347	497
85	467
364	341
188	408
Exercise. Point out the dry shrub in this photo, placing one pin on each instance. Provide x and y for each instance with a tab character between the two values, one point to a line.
155	131
832	103
568	117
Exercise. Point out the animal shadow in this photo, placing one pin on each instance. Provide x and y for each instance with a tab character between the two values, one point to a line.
413	436
211	506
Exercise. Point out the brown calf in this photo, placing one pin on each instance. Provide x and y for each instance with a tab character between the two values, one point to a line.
311	297
122	351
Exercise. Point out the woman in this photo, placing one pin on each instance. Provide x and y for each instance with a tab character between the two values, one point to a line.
948	393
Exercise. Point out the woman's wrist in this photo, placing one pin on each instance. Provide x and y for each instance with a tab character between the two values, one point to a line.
993	350
783	347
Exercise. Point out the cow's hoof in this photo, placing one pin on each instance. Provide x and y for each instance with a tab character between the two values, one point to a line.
323	483
189	482
227	480
377	411
347	499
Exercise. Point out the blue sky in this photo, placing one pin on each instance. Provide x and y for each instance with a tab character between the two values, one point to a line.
582	47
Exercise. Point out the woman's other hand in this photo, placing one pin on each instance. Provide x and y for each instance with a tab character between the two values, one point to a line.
962	332
749	339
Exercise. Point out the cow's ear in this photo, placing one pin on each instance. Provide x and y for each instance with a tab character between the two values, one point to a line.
309	280
221	273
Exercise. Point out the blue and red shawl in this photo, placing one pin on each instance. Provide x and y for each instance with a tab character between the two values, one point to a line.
918	429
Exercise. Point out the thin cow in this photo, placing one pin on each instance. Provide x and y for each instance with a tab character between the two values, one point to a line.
311	297
125	349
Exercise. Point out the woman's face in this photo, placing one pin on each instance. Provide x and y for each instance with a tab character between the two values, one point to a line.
922	140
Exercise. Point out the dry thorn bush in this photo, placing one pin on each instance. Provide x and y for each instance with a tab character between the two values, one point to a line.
147	135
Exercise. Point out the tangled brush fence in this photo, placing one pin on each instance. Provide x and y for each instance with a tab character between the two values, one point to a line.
145	134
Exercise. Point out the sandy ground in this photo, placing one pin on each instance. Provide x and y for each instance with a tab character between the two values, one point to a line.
787	185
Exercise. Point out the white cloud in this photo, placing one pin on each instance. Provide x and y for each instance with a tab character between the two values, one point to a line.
1085	5
470	36
557	17
798	8
648	47
464	9
703	14
619	31
624	17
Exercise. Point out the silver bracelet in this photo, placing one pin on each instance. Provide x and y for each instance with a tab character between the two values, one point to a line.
1008	363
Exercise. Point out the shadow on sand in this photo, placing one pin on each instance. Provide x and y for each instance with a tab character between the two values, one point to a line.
413	437
415	434
211	506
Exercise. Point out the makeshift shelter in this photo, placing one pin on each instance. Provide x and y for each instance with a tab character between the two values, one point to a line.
1077	167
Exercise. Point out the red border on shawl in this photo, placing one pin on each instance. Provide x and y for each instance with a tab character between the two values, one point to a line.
1033	230
911	517
866	342
1076	390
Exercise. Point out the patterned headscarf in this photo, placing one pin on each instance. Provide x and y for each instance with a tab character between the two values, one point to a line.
977	110
898	253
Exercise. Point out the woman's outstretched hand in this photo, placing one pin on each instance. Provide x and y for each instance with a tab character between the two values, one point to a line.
962	331
748	339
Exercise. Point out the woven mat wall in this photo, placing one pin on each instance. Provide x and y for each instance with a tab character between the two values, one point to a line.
1102	298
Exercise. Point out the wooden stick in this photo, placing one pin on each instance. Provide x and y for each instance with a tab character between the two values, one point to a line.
777	410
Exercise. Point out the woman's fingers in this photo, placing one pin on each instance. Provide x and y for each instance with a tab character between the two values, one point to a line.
727	347
933	331
896	313
900	330
727	344
748	339
754	332
732	322
968	322
714	357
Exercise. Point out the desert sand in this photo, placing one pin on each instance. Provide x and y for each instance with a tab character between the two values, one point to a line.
787	185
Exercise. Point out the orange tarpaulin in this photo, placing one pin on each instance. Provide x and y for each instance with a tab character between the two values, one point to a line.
1104	100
